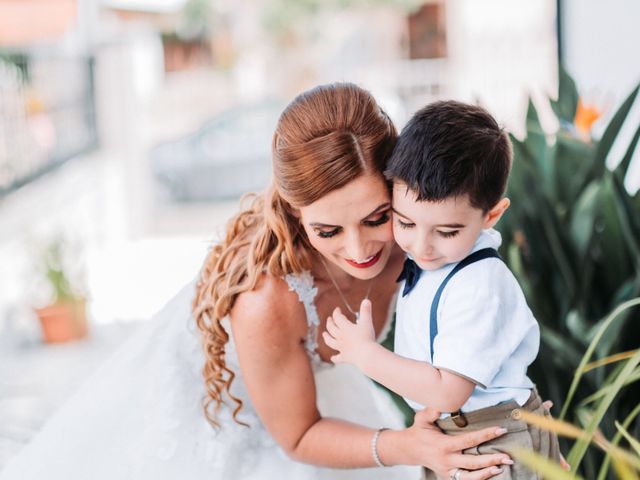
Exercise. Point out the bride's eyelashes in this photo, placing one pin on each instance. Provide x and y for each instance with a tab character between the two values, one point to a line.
328	234
382	218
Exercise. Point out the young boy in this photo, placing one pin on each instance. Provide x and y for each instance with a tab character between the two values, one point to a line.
464	334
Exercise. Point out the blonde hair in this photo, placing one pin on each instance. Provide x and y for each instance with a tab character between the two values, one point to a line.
324	139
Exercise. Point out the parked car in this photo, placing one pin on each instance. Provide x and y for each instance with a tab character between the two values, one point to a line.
227	156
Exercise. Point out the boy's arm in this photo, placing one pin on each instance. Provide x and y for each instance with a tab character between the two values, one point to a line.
413	379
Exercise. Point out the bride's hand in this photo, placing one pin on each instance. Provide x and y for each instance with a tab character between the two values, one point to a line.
442	453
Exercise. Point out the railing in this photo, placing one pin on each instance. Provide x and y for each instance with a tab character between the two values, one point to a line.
47	116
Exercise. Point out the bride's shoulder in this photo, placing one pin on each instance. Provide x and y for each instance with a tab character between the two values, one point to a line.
270	306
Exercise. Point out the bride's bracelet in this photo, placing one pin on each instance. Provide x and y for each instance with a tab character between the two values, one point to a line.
374	447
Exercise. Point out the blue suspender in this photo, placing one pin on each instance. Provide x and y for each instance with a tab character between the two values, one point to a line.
433	320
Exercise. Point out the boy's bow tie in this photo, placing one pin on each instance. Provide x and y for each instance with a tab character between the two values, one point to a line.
410	274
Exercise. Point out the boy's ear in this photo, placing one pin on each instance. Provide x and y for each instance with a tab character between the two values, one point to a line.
495	214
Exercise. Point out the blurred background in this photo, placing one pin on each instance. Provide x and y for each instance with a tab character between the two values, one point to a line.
130	128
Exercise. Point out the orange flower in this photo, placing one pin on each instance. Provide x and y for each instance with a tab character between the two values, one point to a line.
586	115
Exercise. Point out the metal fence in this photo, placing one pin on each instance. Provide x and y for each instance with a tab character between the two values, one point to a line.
47	115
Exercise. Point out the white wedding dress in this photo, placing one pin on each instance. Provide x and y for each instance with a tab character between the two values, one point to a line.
140	417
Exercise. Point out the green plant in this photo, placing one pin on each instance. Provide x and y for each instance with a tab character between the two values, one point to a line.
626	464
196	20
572	238
60	270
17	60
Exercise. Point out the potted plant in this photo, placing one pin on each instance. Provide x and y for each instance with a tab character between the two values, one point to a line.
64	318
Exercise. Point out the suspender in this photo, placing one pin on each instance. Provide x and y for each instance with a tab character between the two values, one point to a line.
433	320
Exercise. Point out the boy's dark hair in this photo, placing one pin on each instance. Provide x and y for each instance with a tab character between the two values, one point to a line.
450	149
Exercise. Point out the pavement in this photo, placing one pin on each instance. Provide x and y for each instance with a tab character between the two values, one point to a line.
128	272
36	379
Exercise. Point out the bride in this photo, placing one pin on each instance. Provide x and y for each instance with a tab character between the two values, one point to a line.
231	379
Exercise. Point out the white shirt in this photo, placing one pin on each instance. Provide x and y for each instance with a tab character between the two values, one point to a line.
486	331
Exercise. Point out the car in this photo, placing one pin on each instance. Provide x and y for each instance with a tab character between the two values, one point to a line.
229	155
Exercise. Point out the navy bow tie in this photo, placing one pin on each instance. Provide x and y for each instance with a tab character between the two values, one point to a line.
410	274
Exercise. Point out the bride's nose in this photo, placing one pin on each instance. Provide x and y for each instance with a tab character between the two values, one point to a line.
355	246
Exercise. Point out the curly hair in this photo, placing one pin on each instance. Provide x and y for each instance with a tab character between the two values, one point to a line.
325	138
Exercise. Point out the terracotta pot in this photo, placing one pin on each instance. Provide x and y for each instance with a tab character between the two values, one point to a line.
63	321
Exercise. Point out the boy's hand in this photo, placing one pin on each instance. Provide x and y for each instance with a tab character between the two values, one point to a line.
348	338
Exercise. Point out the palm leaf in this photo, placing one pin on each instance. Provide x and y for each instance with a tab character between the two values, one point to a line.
565	429
635	444
609	360
616	439
611	132
628	218
583	218
580	447
592	346
567	104
623	166
543	466
623	471
611	241
560	427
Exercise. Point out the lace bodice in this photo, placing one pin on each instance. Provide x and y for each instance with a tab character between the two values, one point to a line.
303	285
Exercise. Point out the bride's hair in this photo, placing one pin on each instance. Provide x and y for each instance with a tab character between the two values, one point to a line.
324	139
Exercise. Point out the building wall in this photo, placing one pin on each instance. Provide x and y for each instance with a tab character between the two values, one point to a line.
600	45
600	49
501	53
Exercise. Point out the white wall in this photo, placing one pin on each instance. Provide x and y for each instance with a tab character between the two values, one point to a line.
601	45
600	42
502	52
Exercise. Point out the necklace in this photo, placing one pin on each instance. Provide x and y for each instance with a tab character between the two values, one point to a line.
344	299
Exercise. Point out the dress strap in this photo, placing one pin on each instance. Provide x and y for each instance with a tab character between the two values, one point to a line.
433	318
302	284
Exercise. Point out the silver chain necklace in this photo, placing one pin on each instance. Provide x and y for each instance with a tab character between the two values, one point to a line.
344	299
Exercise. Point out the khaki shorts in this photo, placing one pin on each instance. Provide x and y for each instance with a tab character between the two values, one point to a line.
519	435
